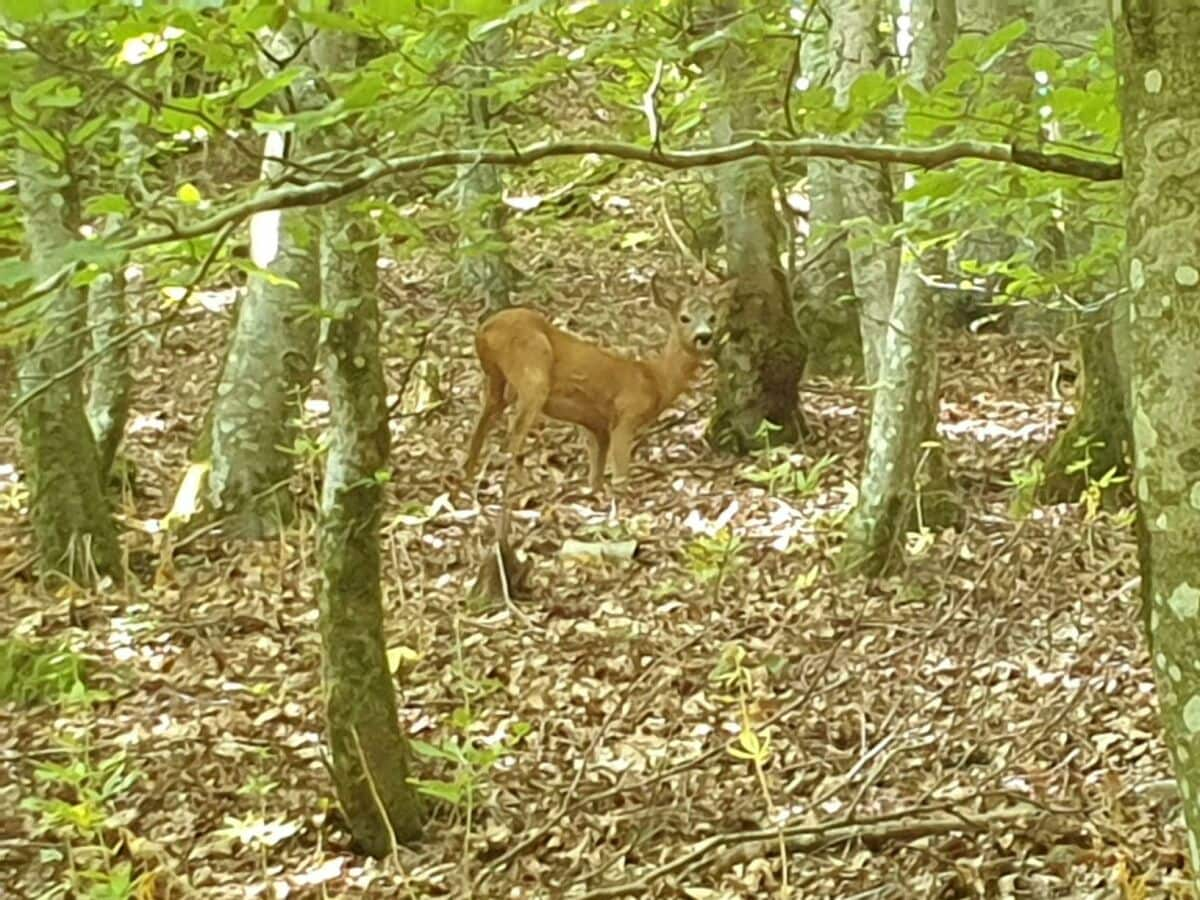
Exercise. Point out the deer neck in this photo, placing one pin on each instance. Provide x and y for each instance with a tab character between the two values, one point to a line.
673	368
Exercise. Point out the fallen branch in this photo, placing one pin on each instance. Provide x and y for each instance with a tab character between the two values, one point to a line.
749	845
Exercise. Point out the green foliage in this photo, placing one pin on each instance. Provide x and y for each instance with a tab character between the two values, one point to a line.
777	469
41	671
79	805
711	557
470	759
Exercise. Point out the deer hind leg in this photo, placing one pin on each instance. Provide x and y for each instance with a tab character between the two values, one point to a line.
622	449
494	401
598	454
527	368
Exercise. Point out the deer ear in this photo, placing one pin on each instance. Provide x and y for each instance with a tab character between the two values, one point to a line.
659	299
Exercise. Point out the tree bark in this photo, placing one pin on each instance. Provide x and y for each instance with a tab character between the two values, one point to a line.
826	312
370	757
1096	439
108	312
866	189
484	266
903	483
1159	77
760	356
268	368
72	523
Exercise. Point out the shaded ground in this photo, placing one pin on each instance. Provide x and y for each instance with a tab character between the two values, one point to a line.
1002	674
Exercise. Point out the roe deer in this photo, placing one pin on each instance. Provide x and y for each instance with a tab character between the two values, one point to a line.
547	370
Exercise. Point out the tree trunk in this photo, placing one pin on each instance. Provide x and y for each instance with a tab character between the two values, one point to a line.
866	188
826	313
760	357
72	523
108	311
903	484
1096	439
370	757
251	424
1159	71
484	266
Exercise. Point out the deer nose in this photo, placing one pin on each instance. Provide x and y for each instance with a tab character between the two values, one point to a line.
704	338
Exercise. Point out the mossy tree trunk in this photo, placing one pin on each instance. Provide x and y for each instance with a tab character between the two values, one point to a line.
866	189
1159	71
760	356
826	308
73	525
268	367
903	483
370	756
483	248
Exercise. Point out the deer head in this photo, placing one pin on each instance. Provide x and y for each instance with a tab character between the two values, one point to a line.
693	319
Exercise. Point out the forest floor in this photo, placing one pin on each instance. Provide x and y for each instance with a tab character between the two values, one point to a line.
981	724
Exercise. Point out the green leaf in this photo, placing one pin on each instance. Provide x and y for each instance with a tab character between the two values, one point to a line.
869	91
440	790
188	193
365	92
998	42
391	12
105	205
265	15
41	142
14	271
1044	59
521	9
256	92
87	130
933	185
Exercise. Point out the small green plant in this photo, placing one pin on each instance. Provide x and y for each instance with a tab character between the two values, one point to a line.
779	472
79	807
36	671
471	759
712	557
753	745
1027	483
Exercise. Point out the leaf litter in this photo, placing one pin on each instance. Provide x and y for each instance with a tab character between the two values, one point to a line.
982	724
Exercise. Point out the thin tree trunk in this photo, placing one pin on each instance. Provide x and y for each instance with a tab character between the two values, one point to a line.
484	263
865	188
370	757
1159	70
761	357
108	311
903	484
827	312
72	523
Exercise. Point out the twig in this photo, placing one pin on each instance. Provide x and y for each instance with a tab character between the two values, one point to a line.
650	107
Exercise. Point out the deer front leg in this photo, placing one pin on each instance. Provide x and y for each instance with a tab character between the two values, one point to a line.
598	455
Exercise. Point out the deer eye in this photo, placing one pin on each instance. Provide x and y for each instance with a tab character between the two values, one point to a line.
684	318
